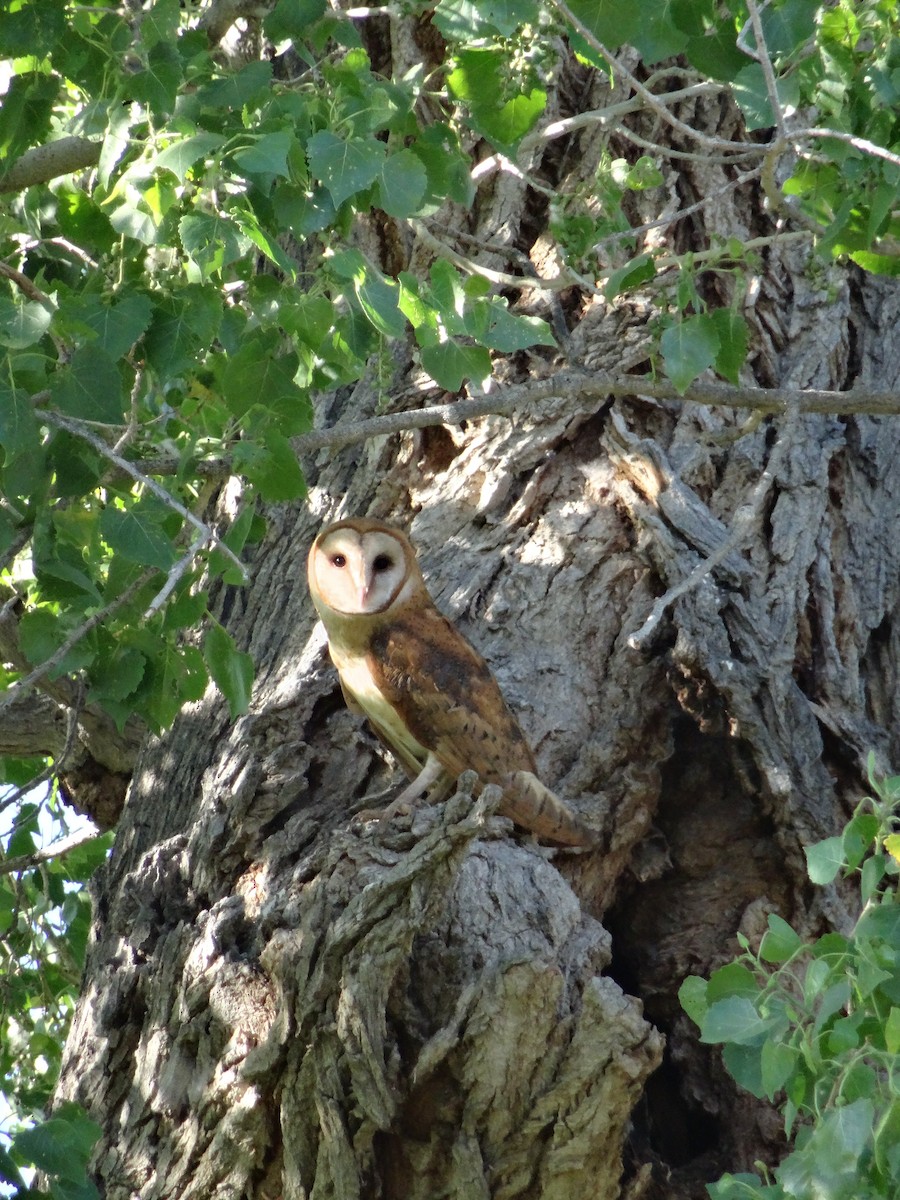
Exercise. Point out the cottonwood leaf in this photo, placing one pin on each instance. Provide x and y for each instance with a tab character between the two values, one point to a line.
137	537
450	364
90	386
688	349
345	166
231	669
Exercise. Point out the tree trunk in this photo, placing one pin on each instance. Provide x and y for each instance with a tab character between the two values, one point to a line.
280	1003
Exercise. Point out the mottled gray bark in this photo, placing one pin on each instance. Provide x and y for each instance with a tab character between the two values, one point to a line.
278	1003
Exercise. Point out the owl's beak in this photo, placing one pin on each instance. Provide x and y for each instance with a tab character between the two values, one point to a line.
364	584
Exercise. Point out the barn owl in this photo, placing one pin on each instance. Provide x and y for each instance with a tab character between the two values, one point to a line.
426	692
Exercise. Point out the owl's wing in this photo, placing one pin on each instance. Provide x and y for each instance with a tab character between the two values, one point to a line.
445	694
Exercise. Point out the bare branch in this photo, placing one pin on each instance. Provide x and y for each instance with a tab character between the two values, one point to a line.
761	54
43	163
59	761
24	862
641	90
175	573
580	391
26	286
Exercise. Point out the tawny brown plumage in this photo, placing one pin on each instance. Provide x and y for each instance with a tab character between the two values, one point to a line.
428	694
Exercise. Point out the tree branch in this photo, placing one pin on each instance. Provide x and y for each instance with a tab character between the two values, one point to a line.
43	163
24	862
582	390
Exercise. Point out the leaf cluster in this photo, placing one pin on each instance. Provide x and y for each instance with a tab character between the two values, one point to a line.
816	1026
61	1148
45	918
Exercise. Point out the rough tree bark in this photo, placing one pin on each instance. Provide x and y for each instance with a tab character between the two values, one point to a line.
280	1003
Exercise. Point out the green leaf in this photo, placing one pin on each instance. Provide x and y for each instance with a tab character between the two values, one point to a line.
612	22
182	327
507	126
509	332
780	942
27	107
310	318
749	88
635	272
464	21
827	1165
733	334
18	426
235	91
478	81
22	324
158	85
734	979
660	38
173	677
230	668
692	997
268	154
211	242
450	364
118	675
777	1063
90	387
379	298
688	348
734	1019
876	264
824	860
449	172
137	537
345	166
858	836
82	861
272	466
61	1145
181	156
258	375
117	325
744	1064
293	18
402	183
40	635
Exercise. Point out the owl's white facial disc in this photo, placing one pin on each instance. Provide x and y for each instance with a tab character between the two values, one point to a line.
358	573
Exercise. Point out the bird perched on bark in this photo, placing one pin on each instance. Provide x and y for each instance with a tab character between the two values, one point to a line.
429	696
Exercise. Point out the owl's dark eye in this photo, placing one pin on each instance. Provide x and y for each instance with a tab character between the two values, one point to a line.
338	560
381	562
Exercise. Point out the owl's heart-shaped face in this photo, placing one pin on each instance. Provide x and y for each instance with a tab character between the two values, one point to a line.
359	571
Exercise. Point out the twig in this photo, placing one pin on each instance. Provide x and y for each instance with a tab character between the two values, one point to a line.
761	54
501	278
24	862
851	139
53	768
25	285
664	222
641	90
602	116
58	421
175	573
